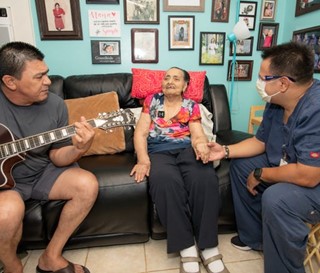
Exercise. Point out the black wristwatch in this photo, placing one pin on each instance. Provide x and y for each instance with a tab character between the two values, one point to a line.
257	174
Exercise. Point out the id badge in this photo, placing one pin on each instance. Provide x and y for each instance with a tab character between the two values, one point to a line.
283	162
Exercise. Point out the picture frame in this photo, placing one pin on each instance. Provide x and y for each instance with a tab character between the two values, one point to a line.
137	12
302	7
59	21
248	8
106	52
250	21
311	37
268	35
220	11
183	5
181	32
242	70
102	1
212	46
144	45
268	10
243	47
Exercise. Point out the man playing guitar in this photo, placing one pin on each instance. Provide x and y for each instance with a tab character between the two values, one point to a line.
49	172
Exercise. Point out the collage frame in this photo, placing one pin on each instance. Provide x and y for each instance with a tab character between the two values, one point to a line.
135	13
220	12
105	51
313	36
144	45
47	21
243	74
264	40
181	32
212	46
268	10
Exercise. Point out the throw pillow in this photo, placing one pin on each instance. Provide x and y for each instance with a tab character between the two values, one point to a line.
90	107
146	82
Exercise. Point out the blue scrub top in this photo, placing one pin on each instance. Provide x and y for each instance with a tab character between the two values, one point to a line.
299	139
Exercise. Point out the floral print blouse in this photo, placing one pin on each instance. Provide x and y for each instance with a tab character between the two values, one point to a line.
171	134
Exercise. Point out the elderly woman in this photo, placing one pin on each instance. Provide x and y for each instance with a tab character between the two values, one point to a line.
172	151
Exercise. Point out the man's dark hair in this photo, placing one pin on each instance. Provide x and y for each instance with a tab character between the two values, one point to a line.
14	55
291	59
186	75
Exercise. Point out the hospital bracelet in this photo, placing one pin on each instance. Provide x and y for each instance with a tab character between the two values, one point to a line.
226	151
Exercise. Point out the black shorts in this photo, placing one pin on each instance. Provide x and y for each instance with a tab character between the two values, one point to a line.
40	189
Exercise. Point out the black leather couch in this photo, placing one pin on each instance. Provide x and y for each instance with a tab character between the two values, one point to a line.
123	212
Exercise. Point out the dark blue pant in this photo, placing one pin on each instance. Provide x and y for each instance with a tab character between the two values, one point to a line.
274	220
186	194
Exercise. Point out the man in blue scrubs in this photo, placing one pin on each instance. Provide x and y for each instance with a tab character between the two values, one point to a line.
275	174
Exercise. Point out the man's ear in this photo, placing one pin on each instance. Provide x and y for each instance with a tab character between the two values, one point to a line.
9	82
285	83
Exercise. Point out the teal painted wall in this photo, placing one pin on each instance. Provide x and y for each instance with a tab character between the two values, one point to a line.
73	57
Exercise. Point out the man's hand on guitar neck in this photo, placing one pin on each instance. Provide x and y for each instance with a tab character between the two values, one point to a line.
82	141
84	136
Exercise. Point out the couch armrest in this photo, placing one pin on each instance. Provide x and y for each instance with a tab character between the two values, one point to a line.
220	108
227	137
222	117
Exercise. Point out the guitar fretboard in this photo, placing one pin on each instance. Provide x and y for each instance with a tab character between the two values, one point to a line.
29	143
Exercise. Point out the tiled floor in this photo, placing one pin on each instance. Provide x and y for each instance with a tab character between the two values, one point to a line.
149	257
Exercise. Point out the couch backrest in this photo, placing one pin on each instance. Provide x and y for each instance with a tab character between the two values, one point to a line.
214	96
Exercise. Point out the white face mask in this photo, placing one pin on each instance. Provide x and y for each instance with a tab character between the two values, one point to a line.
261	88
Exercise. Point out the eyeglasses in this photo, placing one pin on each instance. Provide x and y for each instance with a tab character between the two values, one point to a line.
269	78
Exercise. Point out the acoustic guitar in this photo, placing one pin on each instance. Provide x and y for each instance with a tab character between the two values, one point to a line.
14	151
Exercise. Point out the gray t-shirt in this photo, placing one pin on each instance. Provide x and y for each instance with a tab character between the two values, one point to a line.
25	121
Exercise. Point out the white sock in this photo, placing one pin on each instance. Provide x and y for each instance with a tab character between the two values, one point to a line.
216	266
190	252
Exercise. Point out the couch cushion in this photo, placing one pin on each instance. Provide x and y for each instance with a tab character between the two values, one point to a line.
90	107
146	82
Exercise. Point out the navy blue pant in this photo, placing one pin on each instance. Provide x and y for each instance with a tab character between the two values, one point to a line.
186	194
274	220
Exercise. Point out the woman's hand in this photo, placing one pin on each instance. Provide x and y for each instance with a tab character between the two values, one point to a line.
202	152
140	170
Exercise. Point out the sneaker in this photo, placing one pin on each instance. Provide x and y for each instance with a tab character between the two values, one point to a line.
235	241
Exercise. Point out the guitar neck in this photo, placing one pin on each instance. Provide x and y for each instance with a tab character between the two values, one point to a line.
29	143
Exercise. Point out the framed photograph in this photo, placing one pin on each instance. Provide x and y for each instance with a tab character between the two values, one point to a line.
248	8
181	32
105	52
242	70
183	5
303	6
59	21
243	47
311	37
212	48
102	1
268	35
220	11
250	21
144	45
268	10
141	12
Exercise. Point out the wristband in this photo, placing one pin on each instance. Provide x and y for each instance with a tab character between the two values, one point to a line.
226	151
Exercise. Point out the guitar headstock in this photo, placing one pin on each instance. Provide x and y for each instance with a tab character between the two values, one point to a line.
120	118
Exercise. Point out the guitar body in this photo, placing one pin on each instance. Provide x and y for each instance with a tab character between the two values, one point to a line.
6	165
